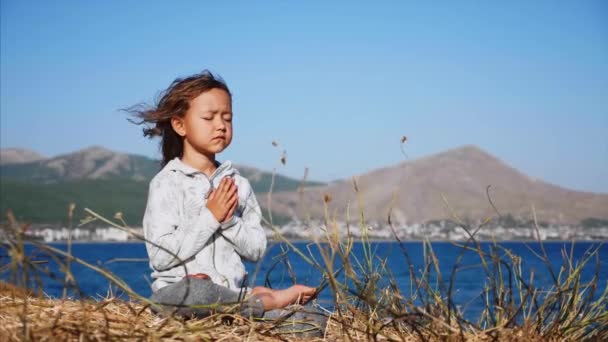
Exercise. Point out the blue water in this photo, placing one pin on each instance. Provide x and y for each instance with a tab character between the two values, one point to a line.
125	261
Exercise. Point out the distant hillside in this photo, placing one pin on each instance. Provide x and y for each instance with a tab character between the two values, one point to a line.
103	180
18	155
91	163
108	181
48	203
414	190
99	163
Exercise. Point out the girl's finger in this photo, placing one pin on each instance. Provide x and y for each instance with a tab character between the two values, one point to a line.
221	189
234	200
230	184
232	190
230	207
230	213
225	189
228	203
222	185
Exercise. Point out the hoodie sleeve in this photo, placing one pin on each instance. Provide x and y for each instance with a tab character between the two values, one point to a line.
171	240
246	232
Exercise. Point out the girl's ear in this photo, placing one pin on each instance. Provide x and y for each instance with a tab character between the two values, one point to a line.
178	125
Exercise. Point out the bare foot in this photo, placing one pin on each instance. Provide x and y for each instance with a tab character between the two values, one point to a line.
276	299
305	293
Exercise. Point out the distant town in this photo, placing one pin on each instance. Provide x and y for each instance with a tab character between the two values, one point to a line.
445	230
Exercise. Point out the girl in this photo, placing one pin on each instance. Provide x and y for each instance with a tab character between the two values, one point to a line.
202	217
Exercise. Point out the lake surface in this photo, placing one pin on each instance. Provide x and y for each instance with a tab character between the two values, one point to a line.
128	261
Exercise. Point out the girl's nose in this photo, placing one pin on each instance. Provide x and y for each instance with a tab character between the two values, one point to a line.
220	124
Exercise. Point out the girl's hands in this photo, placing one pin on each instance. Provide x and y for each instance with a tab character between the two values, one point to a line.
223	201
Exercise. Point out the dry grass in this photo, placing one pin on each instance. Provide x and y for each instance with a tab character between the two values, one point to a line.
35	318
368	302
24	316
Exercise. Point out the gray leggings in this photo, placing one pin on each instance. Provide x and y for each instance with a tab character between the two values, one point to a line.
191	297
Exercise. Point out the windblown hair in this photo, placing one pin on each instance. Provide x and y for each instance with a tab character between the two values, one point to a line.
174	101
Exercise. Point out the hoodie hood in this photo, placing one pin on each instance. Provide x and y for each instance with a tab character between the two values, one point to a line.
224	169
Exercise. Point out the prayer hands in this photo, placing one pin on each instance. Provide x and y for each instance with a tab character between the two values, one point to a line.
223	201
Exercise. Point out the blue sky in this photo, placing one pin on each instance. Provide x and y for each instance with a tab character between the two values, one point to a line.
336	84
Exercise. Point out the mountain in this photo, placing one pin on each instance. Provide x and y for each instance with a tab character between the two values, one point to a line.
91	163
415	192
18	155
98	163
106	181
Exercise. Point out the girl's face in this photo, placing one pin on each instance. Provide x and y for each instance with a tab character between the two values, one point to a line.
207	125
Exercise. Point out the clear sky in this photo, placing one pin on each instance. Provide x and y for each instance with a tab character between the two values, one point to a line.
336	84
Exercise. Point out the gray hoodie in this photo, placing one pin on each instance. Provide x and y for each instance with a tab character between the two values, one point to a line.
183	237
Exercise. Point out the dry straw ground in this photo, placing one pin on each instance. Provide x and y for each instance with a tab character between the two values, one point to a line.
368	302
25	316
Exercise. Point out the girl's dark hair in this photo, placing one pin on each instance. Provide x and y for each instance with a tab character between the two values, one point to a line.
174	101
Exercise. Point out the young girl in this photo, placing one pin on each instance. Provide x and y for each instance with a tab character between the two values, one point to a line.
202	217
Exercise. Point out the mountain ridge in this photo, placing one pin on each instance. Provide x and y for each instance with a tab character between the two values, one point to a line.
18	155
432	187
39	191
455	181
98	162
